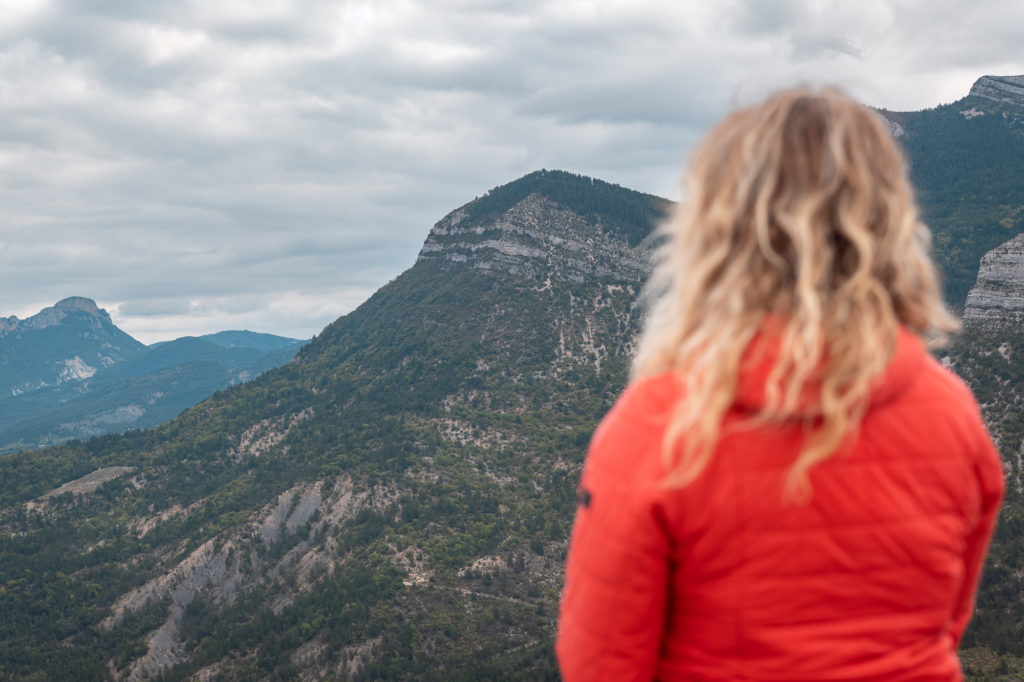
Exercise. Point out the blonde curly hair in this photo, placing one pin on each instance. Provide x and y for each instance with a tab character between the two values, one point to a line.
796	210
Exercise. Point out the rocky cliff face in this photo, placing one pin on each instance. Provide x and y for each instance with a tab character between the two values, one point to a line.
536	238
997	299
1000	89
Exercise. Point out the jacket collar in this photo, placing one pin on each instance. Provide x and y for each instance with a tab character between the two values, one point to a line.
762	353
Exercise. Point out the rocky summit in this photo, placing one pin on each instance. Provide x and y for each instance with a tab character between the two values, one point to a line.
48	317
1000	89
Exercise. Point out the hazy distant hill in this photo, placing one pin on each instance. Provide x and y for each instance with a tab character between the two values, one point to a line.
73	374
66	343
395	503
247	339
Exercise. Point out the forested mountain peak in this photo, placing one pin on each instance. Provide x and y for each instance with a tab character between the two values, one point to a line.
550	224
619	210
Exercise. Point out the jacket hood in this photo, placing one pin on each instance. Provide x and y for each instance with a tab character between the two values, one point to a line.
763	351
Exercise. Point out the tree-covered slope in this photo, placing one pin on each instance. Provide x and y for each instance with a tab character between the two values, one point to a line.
967	164
393	504
990	360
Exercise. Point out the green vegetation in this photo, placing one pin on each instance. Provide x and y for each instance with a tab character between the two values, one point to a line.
990	362
458	403
969	175
984	665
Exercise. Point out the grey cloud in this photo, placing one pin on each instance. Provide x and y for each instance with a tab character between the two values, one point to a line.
807	46
759	17
195	162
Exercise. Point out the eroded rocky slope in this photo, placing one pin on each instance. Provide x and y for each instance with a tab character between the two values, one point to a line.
997	299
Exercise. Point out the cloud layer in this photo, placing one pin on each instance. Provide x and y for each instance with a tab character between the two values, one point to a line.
198	166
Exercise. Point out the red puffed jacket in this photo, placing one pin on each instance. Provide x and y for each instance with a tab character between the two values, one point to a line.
724	579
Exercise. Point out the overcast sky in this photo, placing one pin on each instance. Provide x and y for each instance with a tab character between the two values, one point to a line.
267	164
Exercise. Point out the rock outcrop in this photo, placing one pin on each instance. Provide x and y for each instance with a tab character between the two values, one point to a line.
536	238
997	299
1000	89
49	317
895	129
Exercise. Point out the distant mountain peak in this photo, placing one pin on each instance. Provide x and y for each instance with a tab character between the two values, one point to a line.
243	338
54	315
550	224
1000	89
48	317
85	305
66	342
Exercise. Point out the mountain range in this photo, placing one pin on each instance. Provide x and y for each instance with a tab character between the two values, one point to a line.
69	372
395	503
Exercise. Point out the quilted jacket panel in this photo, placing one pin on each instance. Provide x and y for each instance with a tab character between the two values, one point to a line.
726	579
